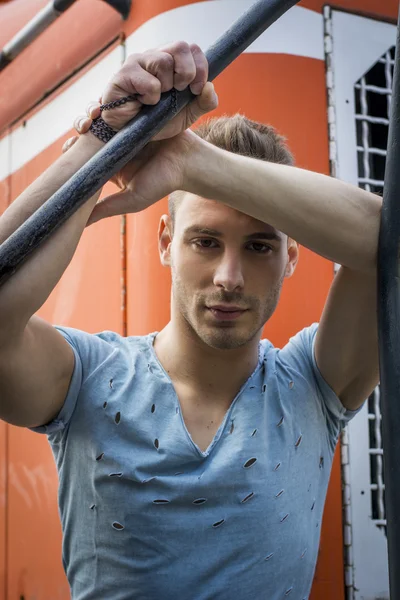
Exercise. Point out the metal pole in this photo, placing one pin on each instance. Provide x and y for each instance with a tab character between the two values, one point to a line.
389	330
41	22
130	140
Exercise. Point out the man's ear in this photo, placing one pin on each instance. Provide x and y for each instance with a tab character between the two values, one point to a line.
293	251
164	240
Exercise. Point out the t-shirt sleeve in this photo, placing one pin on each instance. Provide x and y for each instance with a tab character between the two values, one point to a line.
90	351
64	416
299	353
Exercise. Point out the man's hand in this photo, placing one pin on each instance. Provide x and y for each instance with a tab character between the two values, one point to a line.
159	168
147	75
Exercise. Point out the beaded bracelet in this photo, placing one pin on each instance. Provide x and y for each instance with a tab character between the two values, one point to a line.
100	128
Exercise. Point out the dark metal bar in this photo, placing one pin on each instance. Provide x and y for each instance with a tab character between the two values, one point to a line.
389	330
130	140
42	21
121	6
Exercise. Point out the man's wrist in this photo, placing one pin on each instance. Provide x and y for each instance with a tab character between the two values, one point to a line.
202	161
86	146
89	142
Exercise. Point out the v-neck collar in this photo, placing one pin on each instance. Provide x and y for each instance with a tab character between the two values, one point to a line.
155	362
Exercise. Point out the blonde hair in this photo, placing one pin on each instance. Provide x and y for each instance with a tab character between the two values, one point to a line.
239	135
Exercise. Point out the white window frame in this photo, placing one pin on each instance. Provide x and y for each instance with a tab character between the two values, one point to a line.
352	45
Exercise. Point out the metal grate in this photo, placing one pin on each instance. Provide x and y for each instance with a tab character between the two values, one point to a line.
377	478
372	100
373	94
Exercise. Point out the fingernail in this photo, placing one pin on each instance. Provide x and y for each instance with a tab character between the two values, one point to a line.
196	88
93	109
81	122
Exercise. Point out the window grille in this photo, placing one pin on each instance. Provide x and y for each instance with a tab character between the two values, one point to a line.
372	100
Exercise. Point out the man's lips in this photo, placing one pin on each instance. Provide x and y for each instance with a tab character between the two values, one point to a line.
227	308
226	313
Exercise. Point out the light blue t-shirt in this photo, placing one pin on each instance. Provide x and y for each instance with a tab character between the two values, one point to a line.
147	516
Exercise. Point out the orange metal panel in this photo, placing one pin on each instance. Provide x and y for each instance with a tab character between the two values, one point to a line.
34	540
66	45
4	194
329	575
291	95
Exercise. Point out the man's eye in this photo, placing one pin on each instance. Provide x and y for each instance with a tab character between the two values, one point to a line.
205	243
260	248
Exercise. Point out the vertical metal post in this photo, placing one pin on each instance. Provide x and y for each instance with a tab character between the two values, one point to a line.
389	331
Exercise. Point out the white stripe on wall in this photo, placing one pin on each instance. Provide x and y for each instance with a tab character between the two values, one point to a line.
57	117
298	32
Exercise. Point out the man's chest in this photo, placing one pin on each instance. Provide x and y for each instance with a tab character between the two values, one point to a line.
252	504
201	417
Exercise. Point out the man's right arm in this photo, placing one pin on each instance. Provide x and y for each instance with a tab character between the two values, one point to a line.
36	362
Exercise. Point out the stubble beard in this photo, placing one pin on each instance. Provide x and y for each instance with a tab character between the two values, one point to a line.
223	336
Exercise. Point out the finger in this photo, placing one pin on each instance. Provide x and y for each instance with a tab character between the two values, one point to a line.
201	64
70	142
132	79
82	123
118	117
206	102
184	65
93	110
111	206
161	65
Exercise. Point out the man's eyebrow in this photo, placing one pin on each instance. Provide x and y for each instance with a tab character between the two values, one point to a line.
265	235
261	235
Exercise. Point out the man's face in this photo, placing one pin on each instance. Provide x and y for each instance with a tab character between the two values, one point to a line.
220	257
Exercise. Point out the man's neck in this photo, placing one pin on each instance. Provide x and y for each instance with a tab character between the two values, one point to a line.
193	365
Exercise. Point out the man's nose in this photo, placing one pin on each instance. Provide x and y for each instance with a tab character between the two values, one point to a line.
229	273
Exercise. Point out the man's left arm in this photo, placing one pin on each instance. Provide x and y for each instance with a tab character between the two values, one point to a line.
334	219
346	345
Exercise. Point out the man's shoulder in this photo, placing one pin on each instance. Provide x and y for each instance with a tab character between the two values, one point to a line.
297	353
304	335
107	336
95	348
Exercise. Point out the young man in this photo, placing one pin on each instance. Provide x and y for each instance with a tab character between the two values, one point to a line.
194	462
